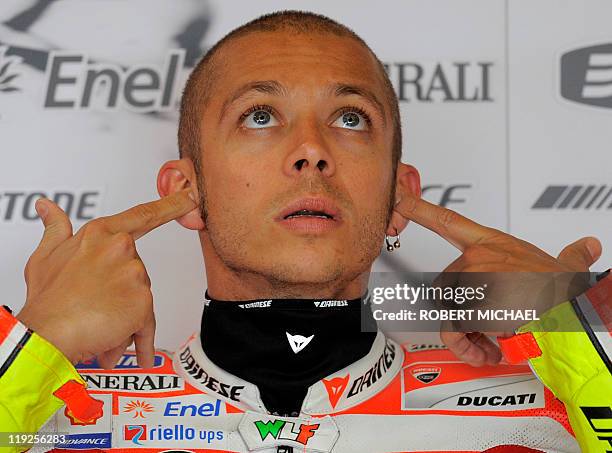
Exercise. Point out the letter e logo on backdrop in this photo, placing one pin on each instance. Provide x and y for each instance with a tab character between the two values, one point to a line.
586	75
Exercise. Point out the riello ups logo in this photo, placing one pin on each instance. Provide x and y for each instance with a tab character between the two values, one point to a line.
586	75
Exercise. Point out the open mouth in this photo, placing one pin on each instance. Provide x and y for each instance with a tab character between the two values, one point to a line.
309	213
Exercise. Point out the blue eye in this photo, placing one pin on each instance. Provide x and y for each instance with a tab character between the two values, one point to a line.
352	118
259	117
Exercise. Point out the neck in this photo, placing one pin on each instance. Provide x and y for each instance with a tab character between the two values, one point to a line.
283	346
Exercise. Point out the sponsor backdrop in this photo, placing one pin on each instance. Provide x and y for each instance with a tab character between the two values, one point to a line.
506	108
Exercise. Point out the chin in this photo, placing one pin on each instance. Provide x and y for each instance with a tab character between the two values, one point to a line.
307	268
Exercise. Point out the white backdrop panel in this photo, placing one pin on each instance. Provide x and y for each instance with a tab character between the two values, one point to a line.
555	141
447	59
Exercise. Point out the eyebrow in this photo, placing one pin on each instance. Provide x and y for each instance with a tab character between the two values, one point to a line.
274	88
262	86
341	89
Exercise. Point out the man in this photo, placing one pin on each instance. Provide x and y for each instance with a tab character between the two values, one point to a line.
290	172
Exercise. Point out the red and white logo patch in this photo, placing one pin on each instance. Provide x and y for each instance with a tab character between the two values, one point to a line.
426	374
335	388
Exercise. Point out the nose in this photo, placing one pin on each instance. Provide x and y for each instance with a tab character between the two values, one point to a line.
310	155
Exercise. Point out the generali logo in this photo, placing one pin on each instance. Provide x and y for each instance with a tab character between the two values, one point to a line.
586	75
138	408
335	388
458	81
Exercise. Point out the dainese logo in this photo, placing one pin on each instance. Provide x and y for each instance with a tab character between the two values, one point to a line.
298	342
139	408
335	388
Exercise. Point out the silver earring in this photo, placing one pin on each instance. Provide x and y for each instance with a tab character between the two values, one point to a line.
395	245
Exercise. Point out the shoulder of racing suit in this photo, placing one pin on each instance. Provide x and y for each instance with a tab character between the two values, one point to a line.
396	398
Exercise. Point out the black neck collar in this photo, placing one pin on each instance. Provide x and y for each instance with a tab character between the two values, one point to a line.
285	345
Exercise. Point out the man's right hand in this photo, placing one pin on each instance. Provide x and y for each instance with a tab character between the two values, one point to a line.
89	294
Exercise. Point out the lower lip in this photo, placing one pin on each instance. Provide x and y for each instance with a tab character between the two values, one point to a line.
307	224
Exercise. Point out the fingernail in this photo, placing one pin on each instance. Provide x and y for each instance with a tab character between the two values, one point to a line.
191	195
41	208
592	248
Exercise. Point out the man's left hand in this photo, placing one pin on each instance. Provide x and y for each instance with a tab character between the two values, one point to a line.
486	249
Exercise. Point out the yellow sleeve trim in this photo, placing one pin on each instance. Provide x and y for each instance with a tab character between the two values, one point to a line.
27	399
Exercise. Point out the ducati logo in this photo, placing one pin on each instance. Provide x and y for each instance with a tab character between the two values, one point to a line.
426	374
335	388
298	342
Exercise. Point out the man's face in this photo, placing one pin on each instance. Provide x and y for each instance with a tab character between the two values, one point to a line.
297	171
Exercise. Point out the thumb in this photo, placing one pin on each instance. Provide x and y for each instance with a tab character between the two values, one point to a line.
581	255
58	227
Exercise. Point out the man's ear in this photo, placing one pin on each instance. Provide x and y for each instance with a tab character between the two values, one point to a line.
408	182
176	175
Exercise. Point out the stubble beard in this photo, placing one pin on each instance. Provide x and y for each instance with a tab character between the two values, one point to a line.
285	279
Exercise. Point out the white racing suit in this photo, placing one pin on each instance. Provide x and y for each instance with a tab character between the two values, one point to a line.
394	398
397	398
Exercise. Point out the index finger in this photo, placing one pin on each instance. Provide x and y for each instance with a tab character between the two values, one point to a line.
452	226
473	348
145	217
